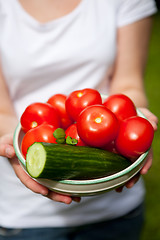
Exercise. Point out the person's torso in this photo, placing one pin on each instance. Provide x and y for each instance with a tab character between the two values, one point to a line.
73	52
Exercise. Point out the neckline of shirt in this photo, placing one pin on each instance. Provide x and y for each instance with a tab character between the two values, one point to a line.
44	26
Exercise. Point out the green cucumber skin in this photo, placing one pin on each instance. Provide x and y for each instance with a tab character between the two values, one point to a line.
79	162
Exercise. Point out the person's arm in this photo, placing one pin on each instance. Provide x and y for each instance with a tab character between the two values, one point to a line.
128	77
7	114
132	50
8	122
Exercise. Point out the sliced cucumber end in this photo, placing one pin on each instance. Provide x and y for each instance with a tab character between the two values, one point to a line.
35	160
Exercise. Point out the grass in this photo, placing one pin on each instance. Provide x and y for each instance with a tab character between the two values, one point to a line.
152	179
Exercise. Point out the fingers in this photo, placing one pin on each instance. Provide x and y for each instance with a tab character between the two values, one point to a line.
37	187
148	163
7	151
26	179
76	199
120	189
151	117
59	197
143	171
62	198
6	146
132	181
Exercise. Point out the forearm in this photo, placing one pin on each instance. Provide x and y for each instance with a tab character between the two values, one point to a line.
8	119
130	64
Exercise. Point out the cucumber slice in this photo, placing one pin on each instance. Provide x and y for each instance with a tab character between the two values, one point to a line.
36	159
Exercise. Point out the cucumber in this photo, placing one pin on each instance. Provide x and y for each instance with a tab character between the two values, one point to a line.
61	161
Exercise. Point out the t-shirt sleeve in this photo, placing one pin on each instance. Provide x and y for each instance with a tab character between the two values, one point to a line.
130	11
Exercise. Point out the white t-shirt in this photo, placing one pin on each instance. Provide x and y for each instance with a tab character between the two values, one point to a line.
38	60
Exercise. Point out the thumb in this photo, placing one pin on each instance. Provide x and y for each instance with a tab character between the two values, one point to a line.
7	150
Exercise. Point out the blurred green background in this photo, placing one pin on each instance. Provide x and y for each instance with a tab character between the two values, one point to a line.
151	229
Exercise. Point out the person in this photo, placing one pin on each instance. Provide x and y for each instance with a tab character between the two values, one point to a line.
57	46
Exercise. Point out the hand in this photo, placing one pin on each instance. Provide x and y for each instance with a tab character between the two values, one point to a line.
151	117
7	150
154	121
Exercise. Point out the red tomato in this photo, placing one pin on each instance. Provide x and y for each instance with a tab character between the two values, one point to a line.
58	101
80	99
72	132
121	105
42	133
134	137
97	126
37	113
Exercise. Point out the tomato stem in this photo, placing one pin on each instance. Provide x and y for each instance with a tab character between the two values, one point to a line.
98	120
34	124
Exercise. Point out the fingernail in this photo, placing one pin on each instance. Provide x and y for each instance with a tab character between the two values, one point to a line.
9	152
